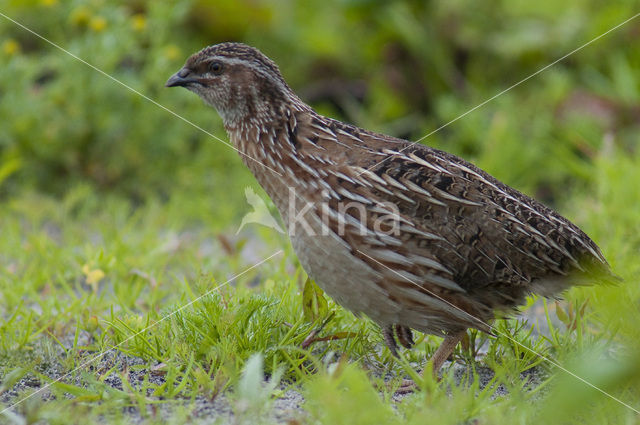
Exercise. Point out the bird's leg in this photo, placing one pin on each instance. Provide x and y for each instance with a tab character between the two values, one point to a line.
445	350
437	360
401	333
390	340
405	337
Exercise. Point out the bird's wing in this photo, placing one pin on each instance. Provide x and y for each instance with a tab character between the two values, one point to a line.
456	224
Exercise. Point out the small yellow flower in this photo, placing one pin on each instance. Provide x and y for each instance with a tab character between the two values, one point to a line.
172	52
10	47
98	23
49	3
139	22
92	276
80	16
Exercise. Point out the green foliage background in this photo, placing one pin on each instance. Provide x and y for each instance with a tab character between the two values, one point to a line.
96	178
404	68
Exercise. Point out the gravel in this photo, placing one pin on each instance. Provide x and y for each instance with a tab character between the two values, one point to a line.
220	410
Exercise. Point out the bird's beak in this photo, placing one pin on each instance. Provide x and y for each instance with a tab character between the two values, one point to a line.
180	78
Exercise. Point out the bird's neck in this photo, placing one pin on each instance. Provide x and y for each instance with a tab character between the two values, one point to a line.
268	148
265	135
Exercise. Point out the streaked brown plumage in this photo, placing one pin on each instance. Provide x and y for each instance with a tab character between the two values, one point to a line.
465	245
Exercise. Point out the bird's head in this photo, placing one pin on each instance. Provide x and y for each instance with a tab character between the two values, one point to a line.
236	79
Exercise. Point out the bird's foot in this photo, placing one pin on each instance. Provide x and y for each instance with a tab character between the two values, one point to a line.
407	387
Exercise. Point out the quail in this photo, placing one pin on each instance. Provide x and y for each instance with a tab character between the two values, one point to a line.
410	236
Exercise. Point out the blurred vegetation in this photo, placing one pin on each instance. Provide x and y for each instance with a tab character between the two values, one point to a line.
401	67
113	212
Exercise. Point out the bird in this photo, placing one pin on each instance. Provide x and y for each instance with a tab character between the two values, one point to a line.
415	238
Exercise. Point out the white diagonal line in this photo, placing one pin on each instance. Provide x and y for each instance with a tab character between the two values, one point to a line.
493	329
280	251
507	89
114	79
101	354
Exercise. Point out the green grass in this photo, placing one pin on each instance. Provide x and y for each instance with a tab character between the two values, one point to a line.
121	271
156	258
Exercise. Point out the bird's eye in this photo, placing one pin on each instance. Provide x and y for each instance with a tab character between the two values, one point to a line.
215	67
